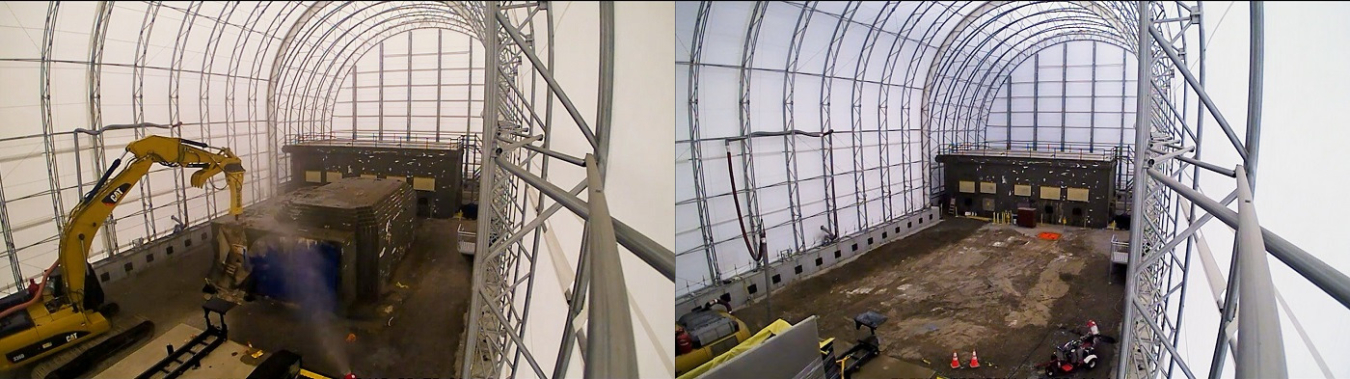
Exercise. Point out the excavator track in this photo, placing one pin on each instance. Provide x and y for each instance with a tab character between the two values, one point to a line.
86	358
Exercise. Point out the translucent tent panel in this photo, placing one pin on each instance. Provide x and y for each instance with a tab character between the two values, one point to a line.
423	85
809	67
897	83
1075	96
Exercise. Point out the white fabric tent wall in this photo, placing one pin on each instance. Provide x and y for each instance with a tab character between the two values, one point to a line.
638	181
409	68
1065	99
858	84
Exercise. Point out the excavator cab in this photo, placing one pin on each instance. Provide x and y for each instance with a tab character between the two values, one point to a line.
17	321
93	292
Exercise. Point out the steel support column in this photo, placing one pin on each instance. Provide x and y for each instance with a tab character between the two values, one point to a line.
1260	352
1142	131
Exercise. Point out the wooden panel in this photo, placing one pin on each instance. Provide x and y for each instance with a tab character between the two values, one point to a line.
424	184
371	176
334	175
1077	194
988	187
967	187
313	176
1049	193
1022	190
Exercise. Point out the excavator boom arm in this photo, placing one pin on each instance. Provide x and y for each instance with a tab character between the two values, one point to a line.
87	217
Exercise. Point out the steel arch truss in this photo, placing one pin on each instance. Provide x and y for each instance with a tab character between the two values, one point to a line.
958	55
255	76
514	175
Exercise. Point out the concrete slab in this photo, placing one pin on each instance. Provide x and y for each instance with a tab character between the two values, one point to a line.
227	361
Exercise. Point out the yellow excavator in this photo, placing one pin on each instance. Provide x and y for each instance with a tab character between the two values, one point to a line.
67	309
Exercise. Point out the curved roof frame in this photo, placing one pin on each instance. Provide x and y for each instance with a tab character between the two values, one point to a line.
942	77
964	74
302	52
957	96
970	95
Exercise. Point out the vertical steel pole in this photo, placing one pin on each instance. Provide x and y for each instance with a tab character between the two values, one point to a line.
609	353
605	91
440	56
488	171
1260	320
356	104
1035	100
1142	128
764	265
1063	96
408	70
580	284
10	252
1255	78
1008	112
380	122
1092	104
1260	349
468	110
1195	175
1255	82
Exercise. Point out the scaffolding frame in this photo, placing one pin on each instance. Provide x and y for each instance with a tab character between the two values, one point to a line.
287	67
495	343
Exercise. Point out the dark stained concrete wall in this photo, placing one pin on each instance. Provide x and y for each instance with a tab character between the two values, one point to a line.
1097	176
442	163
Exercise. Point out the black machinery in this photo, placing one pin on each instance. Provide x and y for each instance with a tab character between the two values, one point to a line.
1078	354
842	366
281	364
190	355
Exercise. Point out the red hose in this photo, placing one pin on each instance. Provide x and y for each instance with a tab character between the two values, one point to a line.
35	296
740	220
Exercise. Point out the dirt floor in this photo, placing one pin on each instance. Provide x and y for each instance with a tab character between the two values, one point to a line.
416	337
966	285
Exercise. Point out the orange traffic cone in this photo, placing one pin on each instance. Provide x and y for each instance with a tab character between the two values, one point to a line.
956	363
974	359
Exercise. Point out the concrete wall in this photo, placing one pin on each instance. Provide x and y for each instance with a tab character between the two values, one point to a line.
747	288
190	240
1007	172
442	164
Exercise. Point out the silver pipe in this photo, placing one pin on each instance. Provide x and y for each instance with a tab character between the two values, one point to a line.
555	154
610	353
1260	349
1255	82
1142	129
492	49
1323	276
1180	65
1208	166
548	77
659	257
